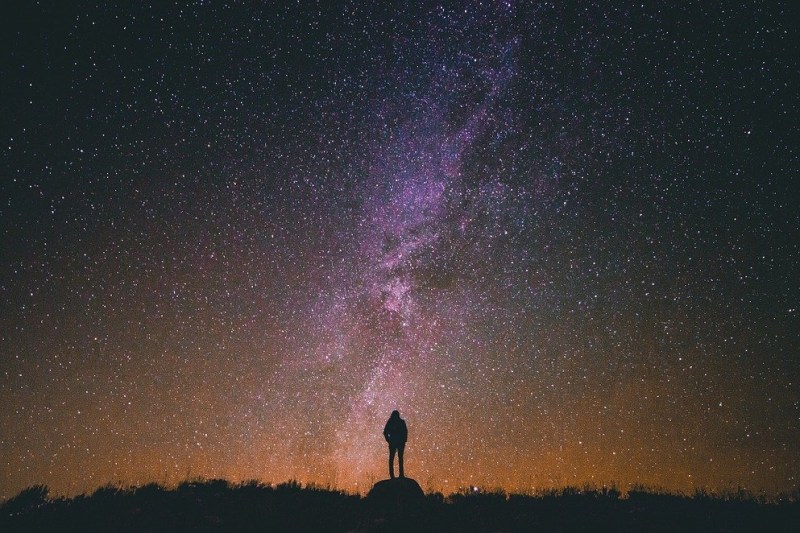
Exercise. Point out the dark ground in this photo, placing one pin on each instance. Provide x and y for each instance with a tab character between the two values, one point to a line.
216	505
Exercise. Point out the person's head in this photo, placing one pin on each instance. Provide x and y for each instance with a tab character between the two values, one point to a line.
395	414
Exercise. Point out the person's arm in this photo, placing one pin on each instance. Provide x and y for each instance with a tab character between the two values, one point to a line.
386	432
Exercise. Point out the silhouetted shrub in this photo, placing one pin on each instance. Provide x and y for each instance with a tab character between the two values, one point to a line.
27	500
219	505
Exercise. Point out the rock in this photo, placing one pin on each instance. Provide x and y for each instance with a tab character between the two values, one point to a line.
400	493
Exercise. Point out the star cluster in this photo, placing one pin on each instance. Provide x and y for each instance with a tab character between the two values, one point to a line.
561	240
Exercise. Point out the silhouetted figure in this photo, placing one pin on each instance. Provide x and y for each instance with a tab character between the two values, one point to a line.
396	433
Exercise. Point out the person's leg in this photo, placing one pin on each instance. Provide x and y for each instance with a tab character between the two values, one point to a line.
400	450
392	451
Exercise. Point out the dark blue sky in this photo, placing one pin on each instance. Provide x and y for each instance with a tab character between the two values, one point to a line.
563	241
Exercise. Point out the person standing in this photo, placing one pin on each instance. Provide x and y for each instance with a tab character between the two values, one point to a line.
396	433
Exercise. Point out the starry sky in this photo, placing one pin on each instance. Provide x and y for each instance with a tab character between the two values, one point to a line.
561	238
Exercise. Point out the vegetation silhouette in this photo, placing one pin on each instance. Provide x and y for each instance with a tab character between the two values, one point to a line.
217	505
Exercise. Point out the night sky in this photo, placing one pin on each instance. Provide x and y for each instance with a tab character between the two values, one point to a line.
562	240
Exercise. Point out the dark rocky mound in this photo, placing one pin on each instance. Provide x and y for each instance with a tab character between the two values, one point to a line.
401	492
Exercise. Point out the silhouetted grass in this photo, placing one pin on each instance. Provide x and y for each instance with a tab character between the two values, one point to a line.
217	505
